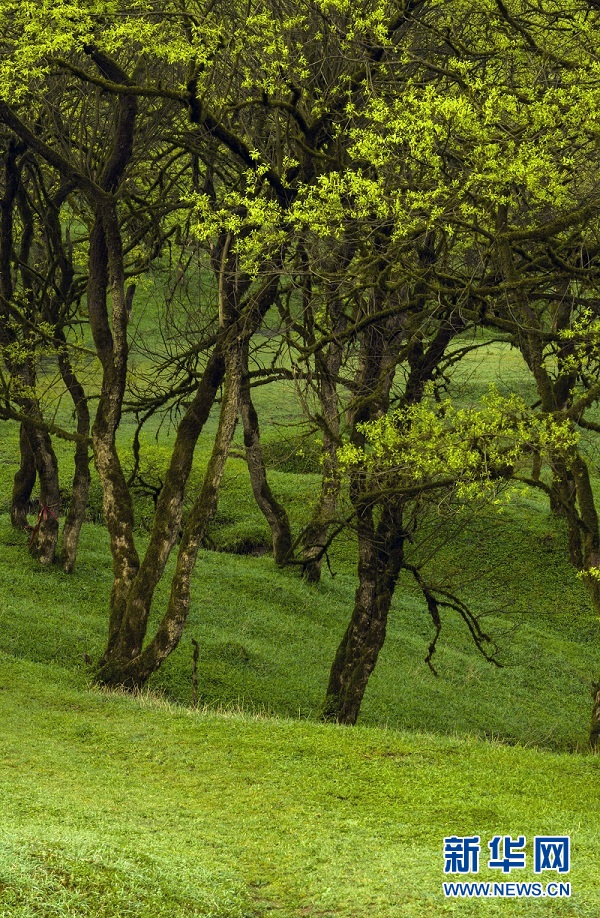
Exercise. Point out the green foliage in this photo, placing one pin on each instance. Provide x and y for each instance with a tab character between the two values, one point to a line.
438	149
435	445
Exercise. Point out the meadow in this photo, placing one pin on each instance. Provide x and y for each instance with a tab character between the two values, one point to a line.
248	806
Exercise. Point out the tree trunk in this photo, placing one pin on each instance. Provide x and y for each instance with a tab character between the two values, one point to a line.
24	482
128	639
106	257
81	477
77	508
380	556
273	511
380	548
133	673
44	537
315	536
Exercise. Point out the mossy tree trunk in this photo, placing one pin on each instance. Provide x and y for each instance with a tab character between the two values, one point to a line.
274	513
44	538
81	475
109	329
380	556
133	672
380	552
125	662
112	348
24	482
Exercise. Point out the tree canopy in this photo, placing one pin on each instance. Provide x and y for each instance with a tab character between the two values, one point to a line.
379	184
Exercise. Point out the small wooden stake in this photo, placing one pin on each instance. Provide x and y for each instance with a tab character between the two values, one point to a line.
195	673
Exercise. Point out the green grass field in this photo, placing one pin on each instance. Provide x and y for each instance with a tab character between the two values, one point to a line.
143	807
115	806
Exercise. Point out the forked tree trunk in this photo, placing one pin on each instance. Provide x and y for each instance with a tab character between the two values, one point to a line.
127	639
24	482
380	555
272	510
133	673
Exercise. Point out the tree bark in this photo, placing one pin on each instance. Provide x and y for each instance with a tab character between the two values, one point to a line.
272	510
315	536
106	254
24	482
133	673
44	538
380	556
81	476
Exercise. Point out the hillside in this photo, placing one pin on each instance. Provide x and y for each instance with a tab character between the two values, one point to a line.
249	807
114	806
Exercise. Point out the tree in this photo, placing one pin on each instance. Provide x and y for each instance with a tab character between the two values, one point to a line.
426	459
387	177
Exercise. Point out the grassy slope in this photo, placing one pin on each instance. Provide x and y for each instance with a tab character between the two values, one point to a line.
267	639
115	809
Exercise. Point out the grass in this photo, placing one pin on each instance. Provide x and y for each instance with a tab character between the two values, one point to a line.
120	806
267	639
